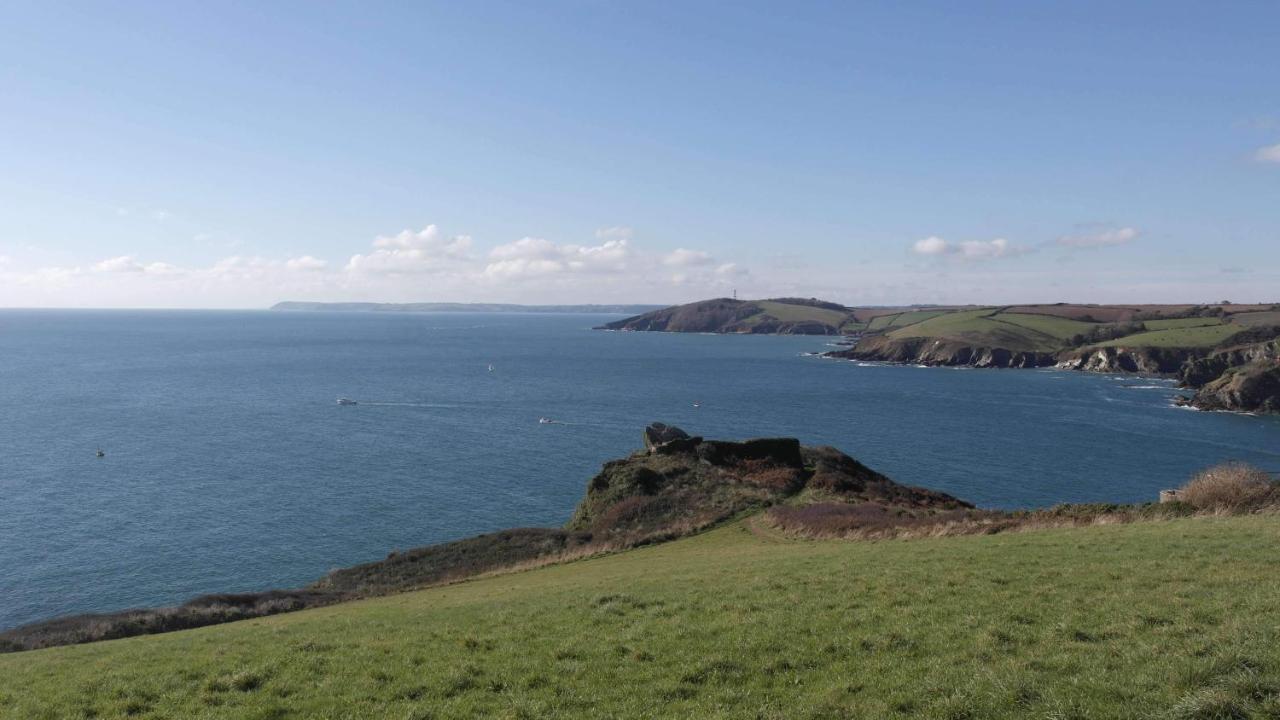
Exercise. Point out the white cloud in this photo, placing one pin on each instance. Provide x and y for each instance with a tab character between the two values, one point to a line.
1268	154
932	245
408	266
681	257
306	262
124	263
1100	237
411	252
968	249
538	257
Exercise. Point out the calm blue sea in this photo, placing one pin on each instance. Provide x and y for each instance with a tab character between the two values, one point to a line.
229	466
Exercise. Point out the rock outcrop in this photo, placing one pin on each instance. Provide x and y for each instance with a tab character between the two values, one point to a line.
685	483
1144	360
1253	388
942	353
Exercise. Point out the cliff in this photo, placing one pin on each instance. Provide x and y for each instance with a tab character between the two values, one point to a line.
1253	388
942	352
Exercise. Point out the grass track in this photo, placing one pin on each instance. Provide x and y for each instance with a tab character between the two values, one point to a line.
1099	622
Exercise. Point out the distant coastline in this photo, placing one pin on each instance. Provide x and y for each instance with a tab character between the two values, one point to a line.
423	307
1227	354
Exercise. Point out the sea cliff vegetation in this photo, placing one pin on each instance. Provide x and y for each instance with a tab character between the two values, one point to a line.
1226	354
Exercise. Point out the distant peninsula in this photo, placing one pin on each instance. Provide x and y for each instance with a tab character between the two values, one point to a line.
1227	354
424	307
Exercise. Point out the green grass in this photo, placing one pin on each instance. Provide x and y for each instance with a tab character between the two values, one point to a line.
1174	323
910	318
1173	619
985	327
802	313
1060	328
1206	336
881	322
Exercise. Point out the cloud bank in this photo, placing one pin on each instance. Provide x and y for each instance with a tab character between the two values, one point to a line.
425	264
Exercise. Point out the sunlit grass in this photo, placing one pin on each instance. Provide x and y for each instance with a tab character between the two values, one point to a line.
1175	619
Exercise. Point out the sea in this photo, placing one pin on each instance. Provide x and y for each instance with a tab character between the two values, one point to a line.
229	466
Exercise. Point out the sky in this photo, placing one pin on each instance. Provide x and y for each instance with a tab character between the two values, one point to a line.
230	155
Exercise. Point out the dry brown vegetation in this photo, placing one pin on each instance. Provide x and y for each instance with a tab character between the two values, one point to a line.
1229	489
1232	487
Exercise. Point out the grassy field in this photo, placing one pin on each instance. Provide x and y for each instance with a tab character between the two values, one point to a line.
991	328
1175	323
1059	328
1172	619
1205	336
799	313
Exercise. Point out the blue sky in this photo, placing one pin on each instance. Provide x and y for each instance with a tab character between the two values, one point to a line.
222	155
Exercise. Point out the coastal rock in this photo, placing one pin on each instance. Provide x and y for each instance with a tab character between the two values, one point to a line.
1199	372
1251	388
1142	360
941	353
665	493
658	434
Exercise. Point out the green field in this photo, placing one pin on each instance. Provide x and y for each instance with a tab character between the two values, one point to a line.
910	318
1059	328
988	327
800	313
1169	619
1206	336
1175	323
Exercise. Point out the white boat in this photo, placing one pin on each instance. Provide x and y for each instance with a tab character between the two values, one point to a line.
346	401
490	367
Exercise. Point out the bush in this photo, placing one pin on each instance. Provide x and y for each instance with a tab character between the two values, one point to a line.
1233	487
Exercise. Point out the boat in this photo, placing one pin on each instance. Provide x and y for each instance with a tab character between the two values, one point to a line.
548	421
346	401
490	367
100	453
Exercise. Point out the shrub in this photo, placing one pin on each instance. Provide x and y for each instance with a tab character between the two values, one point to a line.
1232	487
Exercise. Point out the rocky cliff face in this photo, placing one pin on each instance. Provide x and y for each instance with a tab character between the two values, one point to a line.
1254	387
930	351
1202	371
1145	360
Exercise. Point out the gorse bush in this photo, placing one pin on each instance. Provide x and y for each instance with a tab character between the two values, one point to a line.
1232	487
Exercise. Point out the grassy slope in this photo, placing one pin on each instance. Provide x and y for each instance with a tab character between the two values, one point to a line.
988	327
1057	327
801	313
1206	336
1174	323
1106	621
